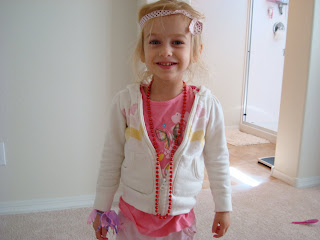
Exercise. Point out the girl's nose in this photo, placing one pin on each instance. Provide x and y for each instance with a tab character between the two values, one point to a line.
165	51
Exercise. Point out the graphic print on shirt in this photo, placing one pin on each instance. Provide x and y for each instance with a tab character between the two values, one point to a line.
163	136
176	131
168	137
176	119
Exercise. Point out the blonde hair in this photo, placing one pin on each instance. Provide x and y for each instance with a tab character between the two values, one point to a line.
196	44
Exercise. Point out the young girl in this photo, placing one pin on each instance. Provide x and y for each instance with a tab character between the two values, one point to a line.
162	133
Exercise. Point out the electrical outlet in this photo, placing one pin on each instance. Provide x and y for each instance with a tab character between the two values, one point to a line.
2	154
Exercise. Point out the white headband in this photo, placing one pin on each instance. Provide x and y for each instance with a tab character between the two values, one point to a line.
195	26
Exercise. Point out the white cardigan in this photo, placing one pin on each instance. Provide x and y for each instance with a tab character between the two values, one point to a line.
129	156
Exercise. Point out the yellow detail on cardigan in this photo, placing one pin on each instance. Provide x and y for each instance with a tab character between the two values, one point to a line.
197	136
135	133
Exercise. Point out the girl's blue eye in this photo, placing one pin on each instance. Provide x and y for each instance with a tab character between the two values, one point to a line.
154	42
177	42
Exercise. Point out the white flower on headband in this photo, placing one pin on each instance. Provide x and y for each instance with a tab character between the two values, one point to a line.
195	26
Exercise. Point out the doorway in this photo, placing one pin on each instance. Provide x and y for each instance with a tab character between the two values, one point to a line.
265	62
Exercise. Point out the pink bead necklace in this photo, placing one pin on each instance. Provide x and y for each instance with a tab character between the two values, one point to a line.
175	147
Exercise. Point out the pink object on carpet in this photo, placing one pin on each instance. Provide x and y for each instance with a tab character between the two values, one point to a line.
310	221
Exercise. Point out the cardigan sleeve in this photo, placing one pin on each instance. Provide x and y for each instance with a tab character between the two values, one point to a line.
112	157
216	157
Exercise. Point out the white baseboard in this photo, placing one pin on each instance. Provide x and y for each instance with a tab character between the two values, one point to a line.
42	205
308	182
296	182
50	204
283	177
259	132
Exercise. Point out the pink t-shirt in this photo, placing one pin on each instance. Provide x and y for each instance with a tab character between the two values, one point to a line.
166	116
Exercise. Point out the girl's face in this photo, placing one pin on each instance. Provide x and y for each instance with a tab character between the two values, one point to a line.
167	47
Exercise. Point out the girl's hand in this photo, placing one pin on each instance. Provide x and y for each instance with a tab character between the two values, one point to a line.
101	234
220	224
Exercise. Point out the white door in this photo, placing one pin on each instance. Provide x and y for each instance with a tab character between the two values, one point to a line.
265	64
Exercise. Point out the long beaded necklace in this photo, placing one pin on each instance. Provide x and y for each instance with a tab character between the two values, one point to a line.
156	147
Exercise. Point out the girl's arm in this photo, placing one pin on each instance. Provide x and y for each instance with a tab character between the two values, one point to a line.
216	157
217	164
112	156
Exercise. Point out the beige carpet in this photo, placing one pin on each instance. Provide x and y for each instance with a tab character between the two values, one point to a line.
238	138
261	213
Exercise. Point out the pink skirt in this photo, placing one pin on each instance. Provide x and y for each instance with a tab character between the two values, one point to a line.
129	232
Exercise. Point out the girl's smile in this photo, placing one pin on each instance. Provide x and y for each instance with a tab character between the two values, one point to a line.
167	65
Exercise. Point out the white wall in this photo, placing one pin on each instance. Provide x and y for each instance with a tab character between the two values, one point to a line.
297	152
224	35
310	152
61	62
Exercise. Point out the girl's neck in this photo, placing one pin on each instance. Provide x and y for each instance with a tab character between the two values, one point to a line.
165	90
